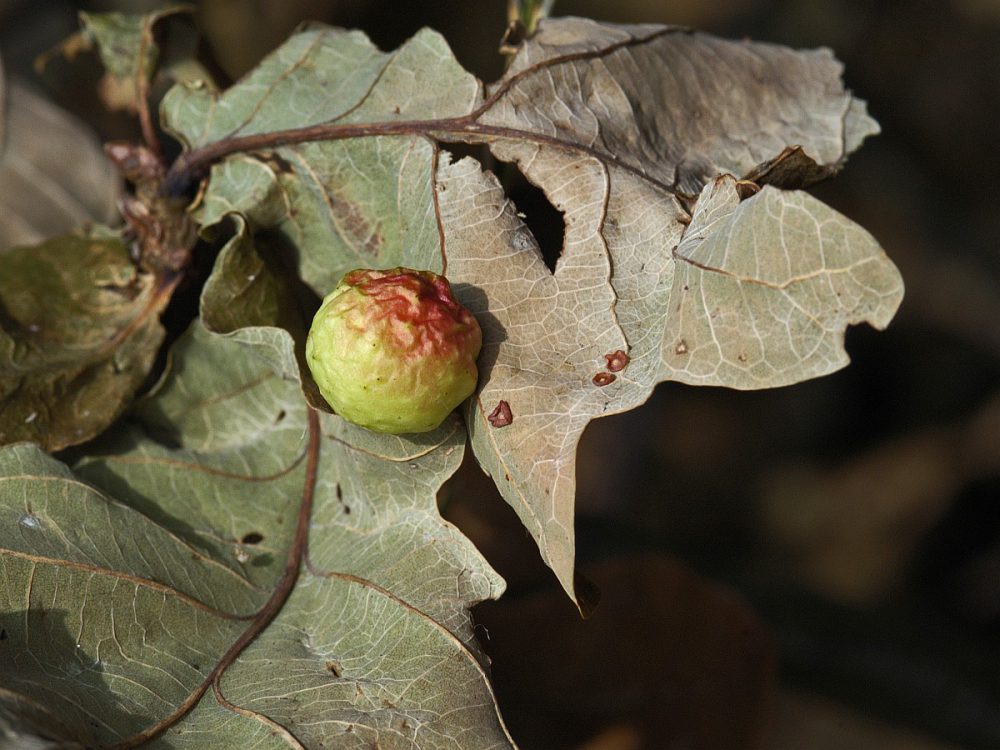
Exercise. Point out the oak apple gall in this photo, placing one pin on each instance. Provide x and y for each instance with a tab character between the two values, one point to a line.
393	350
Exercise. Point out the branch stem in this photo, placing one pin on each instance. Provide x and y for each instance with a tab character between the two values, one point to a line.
270	609
142	93
192	165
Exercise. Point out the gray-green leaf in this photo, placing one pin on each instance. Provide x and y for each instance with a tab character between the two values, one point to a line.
131	51
131	577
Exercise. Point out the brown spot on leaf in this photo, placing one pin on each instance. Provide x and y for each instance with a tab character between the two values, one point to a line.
602	379
352	221
333	668
501	416
741	357
374	243
682	347
617	361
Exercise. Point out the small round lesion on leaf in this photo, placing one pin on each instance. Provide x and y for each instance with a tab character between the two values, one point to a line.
501	416
617	360
681	348
602	379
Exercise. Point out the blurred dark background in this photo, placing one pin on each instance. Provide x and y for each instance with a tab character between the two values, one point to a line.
811	567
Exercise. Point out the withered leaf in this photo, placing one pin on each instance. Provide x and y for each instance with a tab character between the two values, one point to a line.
79	332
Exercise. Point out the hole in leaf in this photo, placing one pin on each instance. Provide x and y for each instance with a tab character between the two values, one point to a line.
545	221
3	635
340	499
253	537
281	415
477	151
542	218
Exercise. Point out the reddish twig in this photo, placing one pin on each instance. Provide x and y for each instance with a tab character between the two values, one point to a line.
266	614
142	92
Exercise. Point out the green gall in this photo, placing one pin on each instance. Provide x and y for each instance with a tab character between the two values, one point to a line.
393	350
